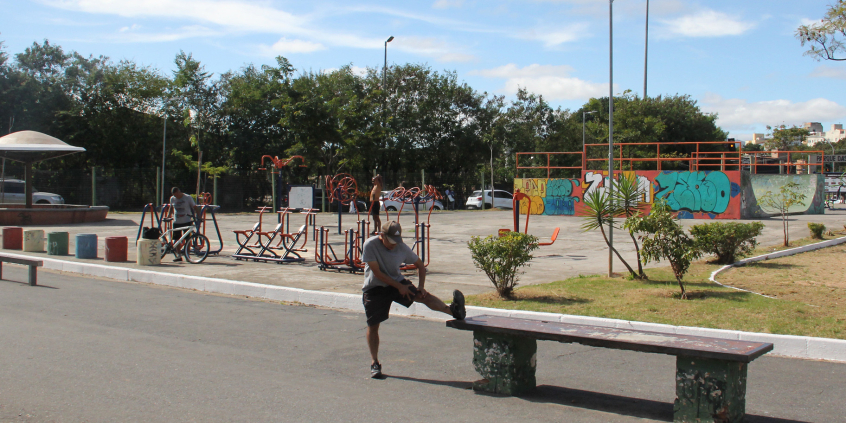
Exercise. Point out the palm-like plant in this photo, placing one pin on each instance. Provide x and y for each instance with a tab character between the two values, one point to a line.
600	211
627	199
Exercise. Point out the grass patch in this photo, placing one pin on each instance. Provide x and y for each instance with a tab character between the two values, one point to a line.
804	306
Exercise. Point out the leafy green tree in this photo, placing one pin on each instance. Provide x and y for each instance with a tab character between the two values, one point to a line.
663	237
785	138
501	258
600	210
780	202
826	37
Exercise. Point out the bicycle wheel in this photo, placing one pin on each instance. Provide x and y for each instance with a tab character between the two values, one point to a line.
196	248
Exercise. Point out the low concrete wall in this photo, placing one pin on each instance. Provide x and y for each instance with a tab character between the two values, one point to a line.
754	186
17	215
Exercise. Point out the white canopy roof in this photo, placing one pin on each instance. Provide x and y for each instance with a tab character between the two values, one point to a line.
31	147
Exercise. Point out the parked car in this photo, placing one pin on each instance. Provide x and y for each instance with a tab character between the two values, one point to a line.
502	199
14	192
392	205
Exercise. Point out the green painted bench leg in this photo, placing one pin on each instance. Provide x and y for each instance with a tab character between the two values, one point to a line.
507	363
709	391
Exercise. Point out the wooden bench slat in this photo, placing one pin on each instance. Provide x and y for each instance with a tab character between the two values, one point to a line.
624	339
16	260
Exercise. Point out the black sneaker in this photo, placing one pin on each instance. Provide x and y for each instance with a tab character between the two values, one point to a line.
457	306
376	371
177	259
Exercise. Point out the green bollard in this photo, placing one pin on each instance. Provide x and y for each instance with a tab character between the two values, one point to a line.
507	363
57	243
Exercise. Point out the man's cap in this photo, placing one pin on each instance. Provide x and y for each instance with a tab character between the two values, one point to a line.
392	231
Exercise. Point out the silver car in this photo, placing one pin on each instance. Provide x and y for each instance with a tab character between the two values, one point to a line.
502	199
14	192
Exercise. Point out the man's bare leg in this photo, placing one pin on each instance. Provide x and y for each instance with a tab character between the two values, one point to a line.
373	342
434	303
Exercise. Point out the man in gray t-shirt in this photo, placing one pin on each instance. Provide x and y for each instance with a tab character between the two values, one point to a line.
384	284
183	213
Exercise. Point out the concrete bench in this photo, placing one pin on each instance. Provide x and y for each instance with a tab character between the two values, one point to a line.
33	266
710	372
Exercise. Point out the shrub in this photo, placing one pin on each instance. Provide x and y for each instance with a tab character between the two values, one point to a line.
664	238
727	241
817	230
502	258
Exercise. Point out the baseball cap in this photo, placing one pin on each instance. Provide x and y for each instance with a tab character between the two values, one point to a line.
392	232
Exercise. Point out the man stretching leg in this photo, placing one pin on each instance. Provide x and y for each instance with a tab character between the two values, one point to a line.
384	284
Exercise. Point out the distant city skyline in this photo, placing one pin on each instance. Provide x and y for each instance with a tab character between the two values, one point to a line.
738	59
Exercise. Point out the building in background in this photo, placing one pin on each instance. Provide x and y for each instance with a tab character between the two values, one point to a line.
817	134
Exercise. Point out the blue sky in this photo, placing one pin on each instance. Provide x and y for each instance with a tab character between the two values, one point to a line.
739	59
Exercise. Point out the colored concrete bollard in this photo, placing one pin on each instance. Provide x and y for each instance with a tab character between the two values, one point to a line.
148	252
116	248
33	240
12	238
86	246
57	243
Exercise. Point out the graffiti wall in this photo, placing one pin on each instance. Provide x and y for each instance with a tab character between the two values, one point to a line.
693	195
754	186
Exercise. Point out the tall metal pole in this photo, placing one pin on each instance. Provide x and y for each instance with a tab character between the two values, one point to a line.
645	49
609	189
164	144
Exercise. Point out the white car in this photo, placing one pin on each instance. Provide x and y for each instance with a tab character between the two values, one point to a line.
502	199
14	192
392	205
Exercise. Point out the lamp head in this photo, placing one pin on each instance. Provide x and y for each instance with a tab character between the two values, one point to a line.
391	38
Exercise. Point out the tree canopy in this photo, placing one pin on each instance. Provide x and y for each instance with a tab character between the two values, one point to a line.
826	36
339	120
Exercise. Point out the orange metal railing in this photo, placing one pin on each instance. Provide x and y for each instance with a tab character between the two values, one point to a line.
700	158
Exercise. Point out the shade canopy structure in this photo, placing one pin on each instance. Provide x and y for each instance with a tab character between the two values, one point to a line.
29	147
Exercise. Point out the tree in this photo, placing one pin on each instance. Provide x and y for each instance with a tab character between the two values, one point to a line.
826	37
627	197
664	238
784	138
780	202
600	211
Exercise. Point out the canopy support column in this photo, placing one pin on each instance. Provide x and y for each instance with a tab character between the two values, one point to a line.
28	180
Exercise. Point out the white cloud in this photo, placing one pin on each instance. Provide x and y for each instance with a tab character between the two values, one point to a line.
431	47
446	4
740	114
130	28
286	46
828	72
129	35
554	37
553	82
707	23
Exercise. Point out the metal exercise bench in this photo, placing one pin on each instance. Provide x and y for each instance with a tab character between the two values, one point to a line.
710	372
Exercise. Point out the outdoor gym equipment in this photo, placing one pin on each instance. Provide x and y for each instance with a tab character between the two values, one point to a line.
342	190
278	164
416	196
515	207
162	218
262	247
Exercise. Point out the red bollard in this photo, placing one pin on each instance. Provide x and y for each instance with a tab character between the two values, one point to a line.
116	248
13	238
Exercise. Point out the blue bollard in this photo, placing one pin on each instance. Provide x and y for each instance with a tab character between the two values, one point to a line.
86	246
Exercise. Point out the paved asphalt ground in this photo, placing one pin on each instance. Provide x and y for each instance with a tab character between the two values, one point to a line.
80	349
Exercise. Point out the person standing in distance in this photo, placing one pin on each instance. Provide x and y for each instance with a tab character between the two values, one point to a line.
375	206
183	211
384	284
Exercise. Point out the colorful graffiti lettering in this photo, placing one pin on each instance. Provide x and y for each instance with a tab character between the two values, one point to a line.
705	192
559	199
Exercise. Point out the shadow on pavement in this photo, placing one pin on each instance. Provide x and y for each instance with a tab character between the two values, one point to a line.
451	383
27	284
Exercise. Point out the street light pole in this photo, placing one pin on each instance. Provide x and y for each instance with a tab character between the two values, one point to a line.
645	49
164	149
385	68
610	188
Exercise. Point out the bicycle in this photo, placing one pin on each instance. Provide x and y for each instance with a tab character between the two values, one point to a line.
193	245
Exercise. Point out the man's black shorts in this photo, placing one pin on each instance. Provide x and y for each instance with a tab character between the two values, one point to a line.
377	301
374	209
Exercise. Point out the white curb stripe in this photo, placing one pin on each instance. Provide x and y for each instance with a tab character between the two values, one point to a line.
784	345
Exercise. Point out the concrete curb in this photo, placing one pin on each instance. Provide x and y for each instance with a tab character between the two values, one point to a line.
775	255
785	345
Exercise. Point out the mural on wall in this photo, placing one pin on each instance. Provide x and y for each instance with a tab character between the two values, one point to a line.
693	195
755	186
